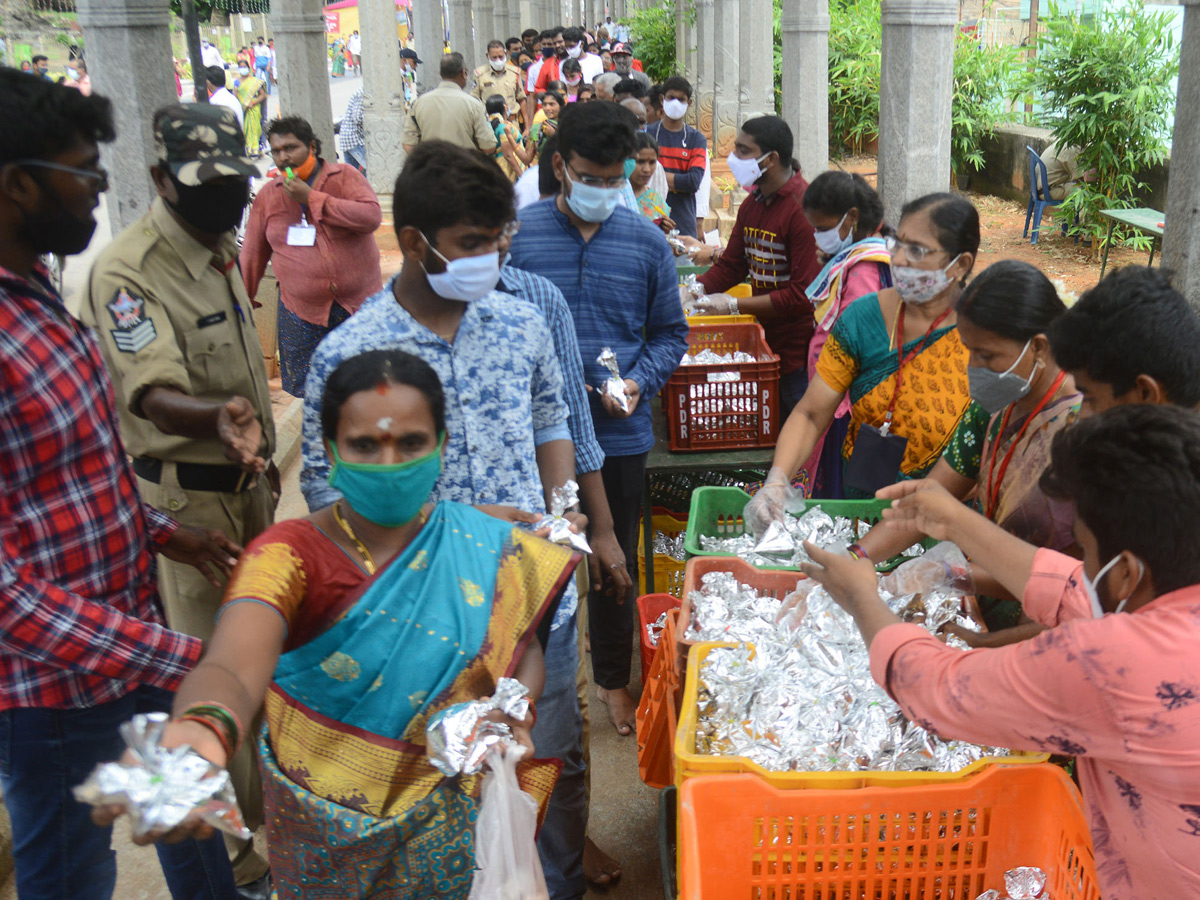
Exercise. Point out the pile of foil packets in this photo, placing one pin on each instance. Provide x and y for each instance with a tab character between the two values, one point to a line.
798	694
1023	883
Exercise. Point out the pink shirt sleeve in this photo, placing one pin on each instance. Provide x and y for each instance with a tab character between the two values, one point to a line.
862	279
1055	591
1029	696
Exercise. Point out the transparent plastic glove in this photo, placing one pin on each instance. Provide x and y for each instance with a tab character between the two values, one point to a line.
770	503
505	853
942	568
716	305
795	605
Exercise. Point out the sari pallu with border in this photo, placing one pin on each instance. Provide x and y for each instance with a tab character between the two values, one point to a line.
354	808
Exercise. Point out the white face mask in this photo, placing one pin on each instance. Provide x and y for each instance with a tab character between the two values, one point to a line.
831	242
744	171
496	64
674	109
466	279
575	52
1089	585
574	81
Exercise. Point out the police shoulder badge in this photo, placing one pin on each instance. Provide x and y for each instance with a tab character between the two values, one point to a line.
134	330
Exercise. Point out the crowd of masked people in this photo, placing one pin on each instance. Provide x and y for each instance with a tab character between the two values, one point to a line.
142	569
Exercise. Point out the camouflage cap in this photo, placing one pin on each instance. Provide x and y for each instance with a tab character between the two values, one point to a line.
198	142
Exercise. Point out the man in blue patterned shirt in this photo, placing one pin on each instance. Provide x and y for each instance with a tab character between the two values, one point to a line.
618	276
507	437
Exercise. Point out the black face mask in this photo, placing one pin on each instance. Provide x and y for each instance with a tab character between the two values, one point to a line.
548	53
52	228
211	208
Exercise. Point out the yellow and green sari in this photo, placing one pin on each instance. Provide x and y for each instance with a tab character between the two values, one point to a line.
252	116
354	807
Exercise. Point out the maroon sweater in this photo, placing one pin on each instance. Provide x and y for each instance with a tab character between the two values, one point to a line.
772	247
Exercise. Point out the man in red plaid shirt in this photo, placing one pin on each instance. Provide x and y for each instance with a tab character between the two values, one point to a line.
83	646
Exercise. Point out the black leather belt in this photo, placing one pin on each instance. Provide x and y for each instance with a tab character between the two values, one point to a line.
197	476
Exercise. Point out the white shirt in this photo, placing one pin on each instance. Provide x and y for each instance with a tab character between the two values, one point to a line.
355	43
658	181
534	71
592	66
222	97
211	56
526	188
704	194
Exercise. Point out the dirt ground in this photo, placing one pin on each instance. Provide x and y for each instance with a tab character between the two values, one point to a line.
1002	223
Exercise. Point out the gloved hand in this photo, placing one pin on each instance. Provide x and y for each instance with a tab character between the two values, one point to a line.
770	503
687	300
942	568
795	605
716	305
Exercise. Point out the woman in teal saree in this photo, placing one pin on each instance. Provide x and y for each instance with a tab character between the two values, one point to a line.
355	625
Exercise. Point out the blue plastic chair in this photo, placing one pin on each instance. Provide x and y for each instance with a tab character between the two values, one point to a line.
1039	195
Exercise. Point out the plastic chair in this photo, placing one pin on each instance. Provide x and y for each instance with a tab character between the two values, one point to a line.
1039	195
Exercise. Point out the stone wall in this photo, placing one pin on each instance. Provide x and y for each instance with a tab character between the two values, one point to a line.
1006	167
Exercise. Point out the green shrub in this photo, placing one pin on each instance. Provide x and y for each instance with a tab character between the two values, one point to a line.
855	38
1105	87
652	31
983	79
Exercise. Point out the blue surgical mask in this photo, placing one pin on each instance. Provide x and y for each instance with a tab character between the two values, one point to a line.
388	495
590	203
630	165
466	279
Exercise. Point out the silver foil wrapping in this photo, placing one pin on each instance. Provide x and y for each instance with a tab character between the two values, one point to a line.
1025	883
614	386
162	787
712	358
797	694
782	544
678	246
561	499
654	629
458	737
672	546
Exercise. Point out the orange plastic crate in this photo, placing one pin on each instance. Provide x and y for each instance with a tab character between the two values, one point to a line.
742	838
729	405
650	607
658	712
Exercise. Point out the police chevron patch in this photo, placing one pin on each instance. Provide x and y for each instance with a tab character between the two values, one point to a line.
134	330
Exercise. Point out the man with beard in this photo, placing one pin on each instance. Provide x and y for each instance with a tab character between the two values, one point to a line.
174	321
83	647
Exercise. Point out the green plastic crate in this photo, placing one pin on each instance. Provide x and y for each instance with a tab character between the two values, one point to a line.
713	507
685	271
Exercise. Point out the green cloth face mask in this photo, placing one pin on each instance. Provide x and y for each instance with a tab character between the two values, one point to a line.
388	495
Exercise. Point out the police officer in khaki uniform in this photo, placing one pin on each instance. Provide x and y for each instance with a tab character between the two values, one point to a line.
499	76
167	302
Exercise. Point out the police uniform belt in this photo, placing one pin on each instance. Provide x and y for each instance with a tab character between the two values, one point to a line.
198	476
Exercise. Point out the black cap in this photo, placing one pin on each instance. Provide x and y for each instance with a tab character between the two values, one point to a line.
411	54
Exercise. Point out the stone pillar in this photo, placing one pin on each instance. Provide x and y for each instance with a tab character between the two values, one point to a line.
515	23
1181	236
429	41
757	40
916	87
129	60
383	100
683	50
727	77
499	25
462	32
299	28
702	87
805	31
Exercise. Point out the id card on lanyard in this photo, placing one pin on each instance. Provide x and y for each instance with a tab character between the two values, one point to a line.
303	234
877	455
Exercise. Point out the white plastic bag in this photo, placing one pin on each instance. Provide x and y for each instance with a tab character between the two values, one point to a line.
506	857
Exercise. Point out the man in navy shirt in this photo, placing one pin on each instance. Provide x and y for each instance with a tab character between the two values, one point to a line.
618	276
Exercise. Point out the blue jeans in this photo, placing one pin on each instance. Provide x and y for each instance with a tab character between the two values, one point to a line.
357	157
60	853
559	733
264	72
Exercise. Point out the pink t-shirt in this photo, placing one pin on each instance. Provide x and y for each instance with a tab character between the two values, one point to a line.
1121	693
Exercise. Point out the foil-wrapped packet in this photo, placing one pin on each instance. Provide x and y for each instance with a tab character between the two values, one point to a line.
561	499
163	786
990	894
654	629
1025	883
677	246
458	737
614	386
674	546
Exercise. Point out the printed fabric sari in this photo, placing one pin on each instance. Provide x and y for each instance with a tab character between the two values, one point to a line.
354	807
252	115
861	359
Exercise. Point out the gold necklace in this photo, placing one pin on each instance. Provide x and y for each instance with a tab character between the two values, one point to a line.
368	561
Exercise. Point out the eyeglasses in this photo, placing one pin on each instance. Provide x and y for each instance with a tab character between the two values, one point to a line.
98	174
912	252
593	181
511	229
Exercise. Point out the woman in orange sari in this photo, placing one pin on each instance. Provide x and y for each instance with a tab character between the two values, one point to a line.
355	625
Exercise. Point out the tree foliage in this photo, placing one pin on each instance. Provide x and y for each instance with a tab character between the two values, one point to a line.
983	79
1105	87
855	39
652	31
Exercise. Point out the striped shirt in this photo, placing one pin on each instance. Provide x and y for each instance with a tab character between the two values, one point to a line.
772	246
685	154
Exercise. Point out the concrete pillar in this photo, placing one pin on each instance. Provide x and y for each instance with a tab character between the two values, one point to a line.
916	87
727	77
428	40
515	23
499	25
805	31
1181	236
757	40
383	99
129	60
703	88
462	32
684	52
299	27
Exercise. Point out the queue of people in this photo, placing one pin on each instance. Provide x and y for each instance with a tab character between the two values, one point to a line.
143	570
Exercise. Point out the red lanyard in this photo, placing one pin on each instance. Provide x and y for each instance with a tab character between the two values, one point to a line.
887	420
993	485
